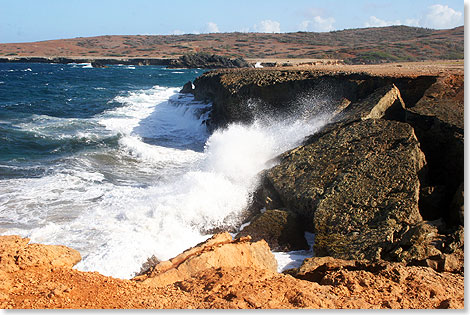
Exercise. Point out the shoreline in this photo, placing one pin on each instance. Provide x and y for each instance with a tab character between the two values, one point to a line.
430	67
394	118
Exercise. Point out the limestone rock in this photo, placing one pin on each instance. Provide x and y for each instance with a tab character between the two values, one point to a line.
218	251
282	230
385	102
359	185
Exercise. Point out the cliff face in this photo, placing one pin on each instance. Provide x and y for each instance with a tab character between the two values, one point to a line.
241	95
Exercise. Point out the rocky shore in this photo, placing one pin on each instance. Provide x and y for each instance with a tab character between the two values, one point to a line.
195	60
381	186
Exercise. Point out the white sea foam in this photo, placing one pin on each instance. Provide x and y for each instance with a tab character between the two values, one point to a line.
152	195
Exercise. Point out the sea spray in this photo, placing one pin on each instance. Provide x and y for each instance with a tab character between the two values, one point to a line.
152	182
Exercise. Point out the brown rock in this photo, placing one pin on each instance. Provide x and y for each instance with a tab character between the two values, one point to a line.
385	102
344	285
15	252
219	251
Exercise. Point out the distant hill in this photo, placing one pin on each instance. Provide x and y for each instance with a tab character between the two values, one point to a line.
355	46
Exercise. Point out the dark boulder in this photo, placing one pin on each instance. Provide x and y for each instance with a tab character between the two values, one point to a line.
359	185
187	87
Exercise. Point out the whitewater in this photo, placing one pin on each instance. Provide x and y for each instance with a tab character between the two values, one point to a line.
139	177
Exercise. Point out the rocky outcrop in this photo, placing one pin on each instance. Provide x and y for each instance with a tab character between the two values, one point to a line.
361	276
240	95
328	283
219	251
362	183
282	230
16	253
207	61
358	184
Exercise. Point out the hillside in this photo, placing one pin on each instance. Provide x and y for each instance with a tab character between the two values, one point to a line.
354	46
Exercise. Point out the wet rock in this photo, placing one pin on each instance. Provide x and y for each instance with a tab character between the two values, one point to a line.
282	230
219	251
385	102
359	185
187	87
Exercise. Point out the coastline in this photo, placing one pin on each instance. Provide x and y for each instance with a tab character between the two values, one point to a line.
337	280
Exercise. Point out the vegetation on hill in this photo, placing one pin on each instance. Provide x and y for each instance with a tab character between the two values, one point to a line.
354	46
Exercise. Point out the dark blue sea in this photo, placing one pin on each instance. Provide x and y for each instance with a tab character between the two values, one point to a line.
119	165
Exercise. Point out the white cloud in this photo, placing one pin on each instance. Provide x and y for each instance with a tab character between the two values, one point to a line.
376	22
212	27
412	22
268	26
441	16
177	32
437	16
318	24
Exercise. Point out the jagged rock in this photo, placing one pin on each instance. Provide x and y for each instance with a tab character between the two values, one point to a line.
219	251
438	120
16	253
363	276
343	284
187	87
358	184
385	102
282	230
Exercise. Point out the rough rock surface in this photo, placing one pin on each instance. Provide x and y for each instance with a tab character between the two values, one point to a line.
15	253
239	95
282	230
359	184
438	120
360	276
39	285
219	251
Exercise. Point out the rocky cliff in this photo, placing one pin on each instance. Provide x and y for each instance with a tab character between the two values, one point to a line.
382	180
380	185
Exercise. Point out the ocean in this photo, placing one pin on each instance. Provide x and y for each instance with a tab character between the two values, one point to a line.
117	164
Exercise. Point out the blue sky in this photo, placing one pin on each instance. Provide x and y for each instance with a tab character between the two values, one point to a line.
35	20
